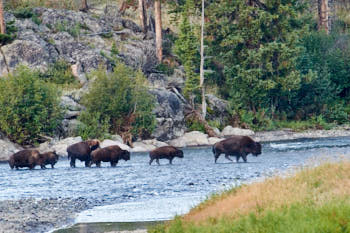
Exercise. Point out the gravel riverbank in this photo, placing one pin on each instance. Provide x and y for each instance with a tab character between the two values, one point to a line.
31	215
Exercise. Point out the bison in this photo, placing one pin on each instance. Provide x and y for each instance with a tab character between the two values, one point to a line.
48	158
110	154
25	158
165	152
239	146
82	151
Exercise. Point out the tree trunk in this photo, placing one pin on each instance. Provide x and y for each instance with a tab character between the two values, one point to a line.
84	5
2	20
158	16
323	15
143	15
201	82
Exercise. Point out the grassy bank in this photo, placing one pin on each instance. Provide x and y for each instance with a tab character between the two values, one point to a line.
313	200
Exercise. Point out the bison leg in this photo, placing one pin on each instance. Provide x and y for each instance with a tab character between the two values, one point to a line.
43	166
150	162
157	160
216	157
244	157
227	157
72	162
237	158
171	160
87	163
113	164
52	165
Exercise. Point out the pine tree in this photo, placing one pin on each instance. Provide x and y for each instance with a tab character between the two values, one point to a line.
186	48
256	43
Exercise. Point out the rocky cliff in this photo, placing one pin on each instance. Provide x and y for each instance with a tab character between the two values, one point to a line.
85	41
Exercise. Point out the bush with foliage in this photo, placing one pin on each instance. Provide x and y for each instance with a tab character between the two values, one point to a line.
10	34
59	73
29	107
117	102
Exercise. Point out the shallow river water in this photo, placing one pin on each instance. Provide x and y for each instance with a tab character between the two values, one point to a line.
136	191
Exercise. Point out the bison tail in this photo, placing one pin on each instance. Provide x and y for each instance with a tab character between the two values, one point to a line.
213	149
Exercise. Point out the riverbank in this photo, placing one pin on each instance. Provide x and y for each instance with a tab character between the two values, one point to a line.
33	215
313	200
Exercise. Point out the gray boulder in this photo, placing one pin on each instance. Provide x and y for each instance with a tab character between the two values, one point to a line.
7	148
169	115
218	108
229	131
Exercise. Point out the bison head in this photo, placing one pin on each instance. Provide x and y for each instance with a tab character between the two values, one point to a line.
93	144
54	156
256	149
179	153
125	155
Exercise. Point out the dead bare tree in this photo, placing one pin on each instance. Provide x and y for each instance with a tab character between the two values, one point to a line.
158	19
201	81
2	20
143	15
323	15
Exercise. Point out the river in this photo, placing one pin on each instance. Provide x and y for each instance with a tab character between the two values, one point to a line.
136	192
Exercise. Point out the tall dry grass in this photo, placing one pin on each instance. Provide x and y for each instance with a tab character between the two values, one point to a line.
318	185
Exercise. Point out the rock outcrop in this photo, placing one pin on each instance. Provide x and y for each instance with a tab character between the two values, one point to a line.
229	131
169	115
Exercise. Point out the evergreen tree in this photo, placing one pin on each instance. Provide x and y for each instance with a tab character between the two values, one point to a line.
186	48
256	42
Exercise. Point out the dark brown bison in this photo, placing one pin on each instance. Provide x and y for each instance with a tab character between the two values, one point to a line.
82	151
110	154
165	152
48	158
239	146
25	158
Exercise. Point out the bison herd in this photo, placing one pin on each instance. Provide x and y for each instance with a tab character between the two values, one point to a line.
91	153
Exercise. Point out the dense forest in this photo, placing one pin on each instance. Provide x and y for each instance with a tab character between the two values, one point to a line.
278	63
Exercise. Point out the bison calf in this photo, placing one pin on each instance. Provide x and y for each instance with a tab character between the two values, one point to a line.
82	151
25	158
239	146
49	158
110	154
165	152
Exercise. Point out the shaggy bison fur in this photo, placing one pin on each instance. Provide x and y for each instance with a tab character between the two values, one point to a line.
239	146
49	158
110	154
82	151
25	158
165	152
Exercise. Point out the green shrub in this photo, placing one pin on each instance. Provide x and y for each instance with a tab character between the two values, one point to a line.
121	99
23	13
59	73
94	126
195	125
29	107
10	34
165	69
